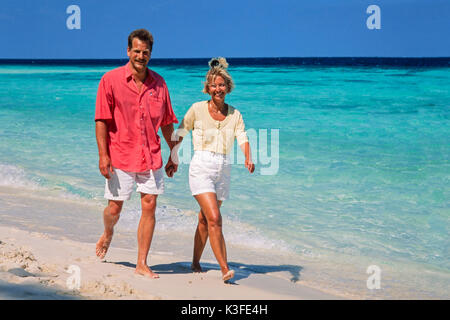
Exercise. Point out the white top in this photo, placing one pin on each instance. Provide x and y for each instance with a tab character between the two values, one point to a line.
212	135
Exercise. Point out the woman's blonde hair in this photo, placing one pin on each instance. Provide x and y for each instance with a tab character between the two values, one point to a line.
218	67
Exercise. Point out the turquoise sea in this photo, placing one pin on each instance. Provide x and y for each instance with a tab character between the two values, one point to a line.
358	156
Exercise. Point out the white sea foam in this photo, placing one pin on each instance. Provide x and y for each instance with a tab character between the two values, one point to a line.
42	185
171	219
12	176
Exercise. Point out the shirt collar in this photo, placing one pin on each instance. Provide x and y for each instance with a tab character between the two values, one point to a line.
129	74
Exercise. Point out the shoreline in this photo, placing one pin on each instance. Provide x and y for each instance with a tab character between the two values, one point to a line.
269	271
35	260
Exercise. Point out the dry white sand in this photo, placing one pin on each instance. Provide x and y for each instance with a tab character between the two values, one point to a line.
35	266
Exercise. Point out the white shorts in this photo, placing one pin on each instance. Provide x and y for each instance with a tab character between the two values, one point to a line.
210	172
120	185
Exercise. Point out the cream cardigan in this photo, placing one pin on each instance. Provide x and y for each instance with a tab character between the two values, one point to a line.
212	135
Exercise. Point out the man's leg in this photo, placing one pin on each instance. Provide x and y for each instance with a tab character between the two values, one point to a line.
111	215
145	234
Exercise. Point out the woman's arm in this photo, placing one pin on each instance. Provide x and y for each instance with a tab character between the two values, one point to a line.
174	138
245	147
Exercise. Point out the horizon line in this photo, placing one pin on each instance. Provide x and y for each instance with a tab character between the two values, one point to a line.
280	57
254	61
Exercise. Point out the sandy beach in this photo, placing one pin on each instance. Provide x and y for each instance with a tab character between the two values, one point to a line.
34	266
46	265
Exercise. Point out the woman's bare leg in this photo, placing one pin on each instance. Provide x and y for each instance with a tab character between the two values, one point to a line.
210	209
200	239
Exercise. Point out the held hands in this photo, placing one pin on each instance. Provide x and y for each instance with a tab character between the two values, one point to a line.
105	166
249	165
171	168
174	144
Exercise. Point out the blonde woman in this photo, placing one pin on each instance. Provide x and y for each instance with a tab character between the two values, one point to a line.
215	125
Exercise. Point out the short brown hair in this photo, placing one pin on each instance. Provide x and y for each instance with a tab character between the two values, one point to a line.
143	35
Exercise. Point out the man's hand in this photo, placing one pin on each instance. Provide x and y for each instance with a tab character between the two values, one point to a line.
171	168
104	162
105	166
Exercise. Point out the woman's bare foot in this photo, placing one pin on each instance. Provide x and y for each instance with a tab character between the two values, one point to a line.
195	266
102	245
227	276
146	272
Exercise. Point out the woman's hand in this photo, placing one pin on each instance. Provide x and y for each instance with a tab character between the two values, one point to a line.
245	147
249	165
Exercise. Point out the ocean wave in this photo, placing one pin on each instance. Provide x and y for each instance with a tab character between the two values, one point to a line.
12	176
42	185
171	219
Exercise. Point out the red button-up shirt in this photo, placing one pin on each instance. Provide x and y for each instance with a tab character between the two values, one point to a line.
134	118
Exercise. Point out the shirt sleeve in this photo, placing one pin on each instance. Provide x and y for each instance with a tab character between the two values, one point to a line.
187	124
169	115
240	133
104	103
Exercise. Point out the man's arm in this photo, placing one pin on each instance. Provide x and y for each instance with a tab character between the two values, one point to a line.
171	166
104	163
167	132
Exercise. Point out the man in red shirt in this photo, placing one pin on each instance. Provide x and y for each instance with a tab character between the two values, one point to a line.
133	102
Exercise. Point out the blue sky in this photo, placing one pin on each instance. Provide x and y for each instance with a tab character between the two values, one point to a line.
233	28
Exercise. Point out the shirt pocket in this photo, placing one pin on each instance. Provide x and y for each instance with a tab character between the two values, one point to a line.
155	107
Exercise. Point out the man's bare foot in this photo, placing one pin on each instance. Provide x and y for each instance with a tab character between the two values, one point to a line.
146	272
195	267
227	276
102	245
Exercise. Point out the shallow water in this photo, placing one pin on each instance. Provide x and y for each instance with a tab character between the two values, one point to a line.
361	176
